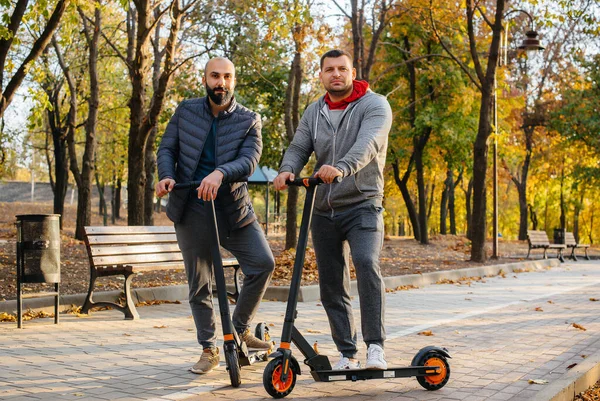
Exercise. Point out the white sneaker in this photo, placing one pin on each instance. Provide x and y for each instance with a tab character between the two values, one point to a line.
376	358
346	363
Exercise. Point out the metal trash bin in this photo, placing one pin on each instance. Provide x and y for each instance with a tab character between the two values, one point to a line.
38	257
559	235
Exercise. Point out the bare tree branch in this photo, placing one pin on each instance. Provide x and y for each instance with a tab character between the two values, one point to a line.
460	63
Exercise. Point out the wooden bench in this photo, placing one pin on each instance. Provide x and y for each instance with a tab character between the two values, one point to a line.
570	242
126	251
539	240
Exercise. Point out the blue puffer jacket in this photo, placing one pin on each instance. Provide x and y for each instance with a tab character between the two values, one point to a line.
238	149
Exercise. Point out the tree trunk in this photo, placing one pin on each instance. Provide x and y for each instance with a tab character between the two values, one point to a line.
150	144
480	155
143	120
150	174
563	207
421	188
480	146
444	201
451	199
292	118
578	208
88	168
118	199
60	182
410	206
468	204
521	184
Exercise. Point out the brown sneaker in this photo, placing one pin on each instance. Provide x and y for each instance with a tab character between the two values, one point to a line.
207	362
254	343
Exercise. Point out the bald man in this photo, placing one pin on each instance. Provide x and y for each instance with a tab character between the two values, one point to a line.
218	142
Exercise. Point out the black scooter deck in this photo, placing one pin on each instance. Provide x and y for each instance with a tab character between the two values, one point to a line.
368	374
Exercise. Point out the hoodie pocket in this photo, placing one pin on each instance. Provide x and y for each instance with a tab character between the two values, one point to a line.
364	181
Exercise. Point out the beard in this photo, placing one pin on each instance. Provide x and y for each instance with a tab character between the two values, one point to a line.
219	99
339	91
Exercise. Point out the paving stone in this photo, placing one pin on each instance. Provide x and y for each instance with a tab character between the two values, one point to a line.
496	339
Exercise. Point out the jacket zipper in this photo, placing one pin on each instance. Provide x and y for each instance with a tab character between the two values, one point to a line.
335	131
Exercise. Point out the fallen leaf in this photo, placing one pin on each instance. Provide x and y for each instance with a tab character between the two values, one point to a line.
594	299
537	381
127	334
313	331
580	327
571	366
161	327
426	333
539	309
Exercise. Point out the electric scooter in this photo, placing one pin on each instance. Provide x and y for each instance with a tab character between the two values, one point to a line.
429	365
236	351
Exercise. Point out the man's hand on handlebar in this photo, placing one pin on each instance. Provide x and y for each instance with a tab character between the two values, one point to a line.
164	186
328	174
279	183
210	185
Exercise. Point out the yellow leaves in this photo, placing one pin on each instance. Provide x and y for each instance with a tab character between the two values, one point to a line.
401	288
162	326
426	333
7	317
156	302
284	266
462	280
30	314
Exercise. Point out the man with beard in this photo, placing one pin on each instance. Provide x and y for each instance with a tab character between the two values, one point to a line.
347	129
216	141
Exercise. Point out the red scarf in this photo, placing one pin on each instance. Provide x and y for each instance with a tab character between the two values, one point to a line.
359	88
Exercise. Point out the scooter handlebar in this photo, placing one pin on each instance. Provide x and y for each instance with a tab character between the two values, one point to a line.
308	181
186	185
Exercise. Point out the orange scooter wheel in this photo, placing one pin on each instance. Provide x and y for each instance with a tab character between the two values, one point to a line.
438	380
276	387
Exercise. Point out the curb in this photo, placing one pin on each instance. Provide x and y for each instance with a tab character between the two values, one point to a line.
307	293
576	380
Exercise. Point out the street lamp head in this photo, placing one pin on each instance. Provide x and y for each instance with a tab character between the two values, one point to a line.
531	42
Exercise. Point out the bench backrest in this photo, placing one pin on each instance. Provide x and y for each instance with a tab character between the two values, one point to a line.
537	237
570	239
142	246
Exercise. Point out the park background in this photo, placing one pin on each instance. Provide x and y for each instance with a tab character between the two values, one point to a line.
89	86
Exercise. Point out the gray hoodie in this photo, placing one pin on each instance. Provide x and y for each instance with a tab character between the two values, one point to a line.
357	146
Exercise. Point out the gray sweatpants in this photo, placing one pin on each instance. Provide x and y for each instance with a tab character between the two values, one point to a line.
359	231
248	245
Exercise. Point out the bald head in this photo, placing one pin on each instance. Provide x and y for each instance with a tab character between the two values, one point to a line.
218	63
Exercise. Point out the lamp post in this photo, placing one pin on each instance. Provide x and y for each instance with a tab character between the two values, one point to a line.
531	42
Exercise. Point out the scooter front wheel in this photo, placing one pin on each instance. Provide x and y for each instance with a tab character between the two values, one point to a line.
437	381
233	366
276	387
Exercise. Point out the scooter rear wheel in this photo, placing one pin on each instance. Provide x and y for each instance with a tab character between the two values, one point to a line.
233	366
272	379
437	381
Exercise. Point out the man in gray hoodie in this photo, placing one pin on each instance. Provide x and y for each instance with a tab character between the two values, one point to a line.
347	129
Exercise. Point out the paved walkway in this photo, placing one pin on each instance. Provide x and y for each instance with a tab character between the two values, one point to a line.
500	333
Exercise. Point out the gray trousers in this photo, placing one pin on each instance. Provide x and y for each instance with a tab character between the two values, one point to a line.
248	245
359	231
